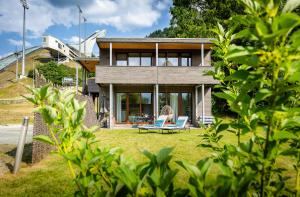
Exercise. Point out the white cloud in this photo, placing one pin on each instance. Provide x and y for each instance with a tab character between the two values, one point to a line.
73	40
124	15
18	43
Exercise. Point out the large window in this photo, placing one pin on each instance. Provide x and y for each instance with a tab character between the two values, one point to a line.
134	107
162	59
181	103
134	59
186	59
145	59
172	59
121	59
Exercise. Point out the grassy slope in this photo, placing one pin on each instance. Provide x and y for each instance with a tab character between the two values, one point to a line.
14	113
11	89
51	176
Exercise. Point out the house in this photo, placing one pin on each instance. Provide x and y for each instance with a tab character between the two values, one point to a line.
137	77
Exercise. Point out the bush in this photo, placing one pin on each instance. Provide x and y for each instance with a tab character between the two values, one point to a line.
262	88
56	72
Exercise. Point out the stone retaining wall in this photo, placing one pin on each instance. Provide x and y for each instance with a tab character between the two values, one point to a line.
40	150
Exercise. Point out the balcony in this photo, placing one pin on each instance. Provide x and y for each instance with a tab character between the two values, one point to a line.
165	75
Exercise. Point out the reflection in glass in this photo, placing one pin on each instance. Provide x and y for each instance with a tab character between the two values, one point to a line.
162	59
180	103
134	59
121	107
121	59
172	59
146	104
146	59
186	59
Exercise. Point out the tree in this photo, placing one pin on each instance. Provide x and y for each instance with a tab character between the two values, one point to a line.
195	18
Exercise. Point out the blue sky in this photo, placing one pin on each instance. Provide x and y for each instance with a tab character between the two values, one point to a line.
59	18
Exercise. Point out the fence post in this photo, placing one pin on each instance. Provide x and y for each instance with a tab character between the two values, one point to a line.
21	144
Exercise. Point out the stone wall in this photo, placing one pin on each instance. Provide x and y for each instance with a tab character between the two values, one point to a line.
39	149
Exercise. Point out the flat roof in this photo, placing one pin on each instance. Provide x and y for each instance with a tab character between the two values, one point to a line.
150	43
88	63
158	40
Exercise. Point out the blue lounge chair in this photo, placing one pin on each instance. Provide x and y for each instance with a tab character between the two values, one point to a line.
179	125
158	124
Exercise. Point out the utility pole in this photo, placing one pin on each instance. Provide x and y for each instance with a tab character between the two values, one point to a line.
25	6
84	42
79	42
17	64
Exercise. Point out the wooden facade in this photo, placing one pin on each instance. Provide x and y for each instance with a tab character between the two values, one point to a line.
113	79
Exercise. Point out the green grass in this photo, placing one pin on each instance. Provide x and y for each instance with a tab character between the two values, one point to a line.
14	113
51	177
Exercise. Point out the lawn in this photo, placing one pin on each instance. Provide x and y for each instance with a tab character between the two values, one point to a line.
51	176
14	113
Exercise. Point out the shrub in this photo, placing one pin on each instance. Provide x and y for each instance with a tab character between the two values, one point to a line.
56	72
259	81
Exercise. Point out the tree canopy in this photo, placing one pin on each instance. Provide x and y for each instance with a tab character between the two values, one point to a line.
196	18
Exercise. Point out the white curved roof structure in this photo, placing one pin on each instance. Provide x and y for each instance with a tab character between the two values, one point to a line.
72	51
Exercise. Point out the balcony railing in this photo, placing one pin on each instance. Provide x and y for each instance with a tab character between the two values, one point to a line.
152	75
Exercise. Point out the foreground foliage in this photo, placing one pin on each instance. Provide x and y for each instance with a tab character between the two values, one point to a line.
260	82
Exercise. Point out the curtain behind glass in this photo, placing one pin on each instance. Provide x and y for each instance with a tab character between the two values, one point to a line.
119	107
174	104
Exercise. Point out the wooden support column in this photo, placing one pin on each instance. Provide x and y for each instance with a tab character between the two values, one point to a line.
111	110
99	106
156	105
110	54
203	103
156	54
156	101
196	103
202	54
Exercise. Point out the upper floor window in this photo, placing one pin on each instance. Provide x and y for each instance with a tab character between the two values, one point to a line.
133	59
162	59
174	59
146	59
186	59
122	59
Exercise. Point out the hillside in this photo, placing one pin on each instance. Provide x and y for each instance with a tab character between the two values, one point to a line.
9	87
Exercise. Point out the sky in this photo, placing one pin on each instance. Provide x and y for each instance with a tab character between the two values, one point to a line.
59	18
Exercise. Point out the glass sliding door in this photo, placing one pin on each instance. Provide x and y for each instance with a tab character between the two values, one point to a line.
174	104
181	103
134	107
121	107
146	105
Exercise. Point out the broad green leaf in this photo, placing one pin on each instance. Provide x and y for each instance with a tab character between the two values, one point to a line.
224	96
222	127
291	5
239	51
44	138
44	91
261	28
262	94
164	155
238	75
282	135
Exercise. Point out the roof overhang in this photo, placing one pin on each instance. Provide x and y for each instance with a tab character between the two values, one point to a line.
150	43
89	63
